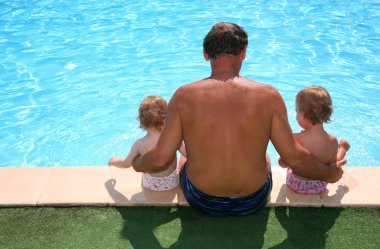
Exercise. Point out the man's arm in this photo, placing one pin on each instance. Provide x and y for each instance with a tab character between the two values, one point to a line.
160	156
292	153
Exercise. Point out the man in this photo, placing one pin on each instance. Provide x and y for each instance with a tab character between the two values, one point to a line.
226	122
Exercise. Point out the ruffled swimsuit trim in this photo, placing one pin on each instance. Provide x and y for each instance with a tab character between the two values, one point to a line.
160	183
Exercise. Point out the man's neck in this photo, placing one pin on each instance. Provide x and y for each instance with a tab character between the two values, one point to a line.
225	68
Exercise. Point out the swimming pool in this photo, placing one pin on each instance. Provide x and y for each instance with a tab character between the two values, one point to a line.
72	73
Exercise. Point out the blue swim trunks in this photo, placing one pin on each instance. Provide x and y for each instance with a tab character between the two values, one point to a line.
224	206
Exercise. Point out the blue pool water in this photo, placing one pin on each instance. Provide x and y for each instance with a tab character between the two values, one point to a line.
72	73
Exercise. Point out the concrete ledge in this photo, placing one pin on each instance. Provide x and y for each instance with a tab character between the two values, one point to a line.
110	186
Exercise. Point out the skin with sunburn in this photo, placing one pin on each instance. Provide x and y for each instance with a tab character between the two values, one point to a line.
226	122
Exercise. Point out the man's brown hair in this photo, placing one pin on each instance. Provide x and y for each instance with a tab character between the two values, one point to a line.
315	104
152	112
225	39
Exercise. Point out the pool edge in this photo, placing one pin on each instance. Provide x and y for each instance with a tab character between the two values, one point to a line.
110	186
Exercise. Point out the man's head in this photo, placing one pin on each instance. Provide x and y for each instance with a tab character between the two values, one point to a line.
152	112
315	104
225	39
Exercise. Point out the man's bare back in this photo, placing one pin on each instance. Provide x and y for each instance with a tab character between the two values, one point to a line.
226	131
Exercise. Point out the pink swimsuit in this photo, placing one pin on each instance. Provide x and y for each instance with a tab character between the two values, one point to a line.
302	186
160	183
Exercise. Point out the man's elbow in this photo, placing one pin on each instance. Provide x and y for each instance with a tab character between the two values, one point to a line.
159	167
290	160
293	161
160	163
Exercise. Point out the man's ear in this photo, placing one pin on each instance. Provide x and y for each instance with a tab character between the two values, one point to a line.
243	53
206	56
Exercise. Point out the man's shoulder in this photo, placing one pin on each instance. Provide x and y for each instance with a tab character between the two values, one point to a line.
266	91
192	85
259	85
192	90
266	88
187	89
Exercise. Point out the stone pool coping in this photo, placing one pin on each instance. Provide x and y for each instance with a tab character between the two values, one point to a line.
110	186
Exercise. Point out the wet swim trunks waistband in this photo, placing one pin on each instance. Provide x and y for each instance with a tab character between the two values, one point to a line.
224	206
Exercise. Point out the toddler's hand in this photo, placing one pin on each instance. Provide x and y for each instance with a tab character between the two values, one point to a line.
338	164
344	144
113	161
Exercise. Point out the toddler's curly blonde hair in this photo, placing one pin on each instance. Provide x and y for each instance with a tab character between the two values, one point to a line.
315	103
152	112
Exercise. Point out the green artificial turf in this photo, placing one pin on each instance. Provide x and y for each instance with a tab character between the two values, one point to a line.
163	227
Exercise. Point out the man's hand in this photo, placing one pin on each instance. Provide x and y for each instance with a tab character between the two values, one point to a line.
339	163
281	163
338	172
343	147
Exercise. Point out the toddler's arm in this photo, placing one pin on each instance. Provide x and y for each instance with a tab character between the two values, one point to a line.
124	162
343	147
